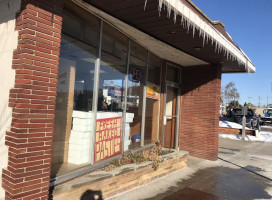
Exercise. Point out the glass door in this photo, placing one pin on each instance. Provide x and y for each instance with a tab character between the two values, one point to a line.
170	116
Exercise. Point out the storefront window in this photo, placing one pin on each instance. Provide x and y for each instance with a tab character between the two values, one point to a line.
113	71
79	140
152	100
112	76
73	122
136	82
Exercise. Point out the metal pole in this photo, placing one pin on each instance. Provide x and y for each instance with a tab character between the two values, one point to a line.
96	90
244	111
144	102
125	101
244	128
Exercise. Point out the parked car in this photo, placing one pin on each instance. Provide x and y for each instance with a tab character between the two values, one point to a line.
252	120
267	119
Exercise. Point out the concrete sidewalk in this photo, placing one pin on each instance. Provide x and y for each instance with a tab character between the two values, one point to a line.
243	171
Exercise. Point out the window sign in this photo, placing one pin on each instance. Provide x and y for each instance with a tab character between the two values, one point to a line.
136	74
153	91
107	138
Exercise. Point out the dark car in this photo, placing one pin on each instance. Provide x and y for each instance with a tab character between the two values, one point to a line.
252	120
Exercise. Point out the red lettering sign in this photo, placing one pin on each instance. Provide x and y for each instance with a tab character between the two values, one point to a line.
107	138
136	74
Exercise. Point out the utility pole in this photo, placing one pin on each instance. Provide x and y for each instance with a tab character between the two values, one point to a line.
244	112
259	104
267	101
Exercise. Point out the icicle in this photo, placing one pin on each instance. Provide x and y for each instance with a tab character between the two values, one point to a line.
188	26
193	30
145	4
204	35
220	48
169	10
204	29
160	7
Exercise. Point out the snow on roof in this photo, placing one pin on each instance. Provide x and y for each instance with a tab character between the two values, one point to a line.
193	21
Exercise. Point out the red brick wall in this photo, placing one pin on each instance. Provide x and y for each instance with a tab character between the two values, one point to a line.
199	113
33	100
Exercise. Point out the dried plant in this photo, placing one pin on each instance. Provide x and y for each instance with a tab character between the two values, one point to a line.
153	155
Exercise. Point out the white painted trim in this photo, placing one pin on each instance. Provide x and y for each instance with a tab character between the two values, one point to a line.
8	42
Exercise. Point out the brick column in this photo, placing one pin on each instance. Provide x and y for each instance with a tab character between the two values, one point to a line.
199	113
33	100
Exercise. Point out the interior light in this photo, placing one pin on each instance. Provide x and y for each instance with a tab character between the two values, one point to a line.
172	32
197	48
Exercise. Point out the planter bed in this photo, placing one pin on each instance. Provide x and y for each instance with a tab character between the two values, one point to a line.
235	131
109	183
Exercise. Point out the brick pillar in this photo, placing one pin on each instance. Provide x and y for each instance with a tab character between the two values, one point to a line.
33	100
199	113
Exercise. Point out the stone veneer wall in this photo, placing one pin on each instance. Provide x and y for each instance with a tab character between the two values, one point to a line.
8	43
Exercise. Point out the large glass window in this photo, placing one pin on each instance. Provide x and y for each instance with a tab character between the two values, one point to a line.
75	144
113	70
73	122
136	83
152	100
112	76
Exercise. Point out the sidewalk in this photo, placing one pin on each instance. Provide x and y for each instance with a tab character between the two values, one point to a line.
243	171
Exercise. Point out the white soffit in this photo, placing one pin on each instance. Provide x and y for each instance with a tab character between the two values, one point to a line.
191	20
155	46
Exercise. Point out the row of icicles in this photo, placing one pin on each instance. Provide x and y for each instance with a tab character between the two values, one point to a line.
187	24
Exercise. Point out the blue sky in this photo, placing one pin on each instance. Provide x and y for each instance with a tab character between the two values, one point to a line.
249	22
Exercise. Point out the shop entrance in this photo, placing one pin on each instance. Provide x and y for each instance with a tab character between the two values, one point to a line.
170	116
171	107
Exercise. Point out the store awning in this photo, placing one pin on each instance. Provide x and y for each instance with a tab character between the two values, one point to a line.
183	26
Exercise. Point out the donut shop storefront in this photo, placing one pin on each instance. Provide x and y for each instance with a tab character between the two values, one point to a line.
110	77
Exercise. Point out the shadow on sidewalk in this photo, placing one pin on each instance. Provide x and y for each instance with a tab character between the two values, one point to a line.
223	182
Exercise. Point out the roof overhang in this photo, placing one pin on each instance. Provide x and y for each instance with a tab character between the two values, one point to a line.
191	39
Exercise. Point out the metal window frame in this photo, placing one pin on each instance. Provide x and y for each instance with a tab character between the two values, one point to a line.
144	102
125	100
96	90
177	116
160	84
93	166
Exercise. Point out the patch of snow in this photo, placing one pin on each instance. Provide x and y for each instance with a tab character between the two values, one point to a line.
227	124
269	127
263	136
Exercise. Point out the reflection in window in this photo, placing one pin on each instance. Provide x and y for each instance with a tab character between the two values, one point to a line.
72	132
136	82
112	71
152	100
